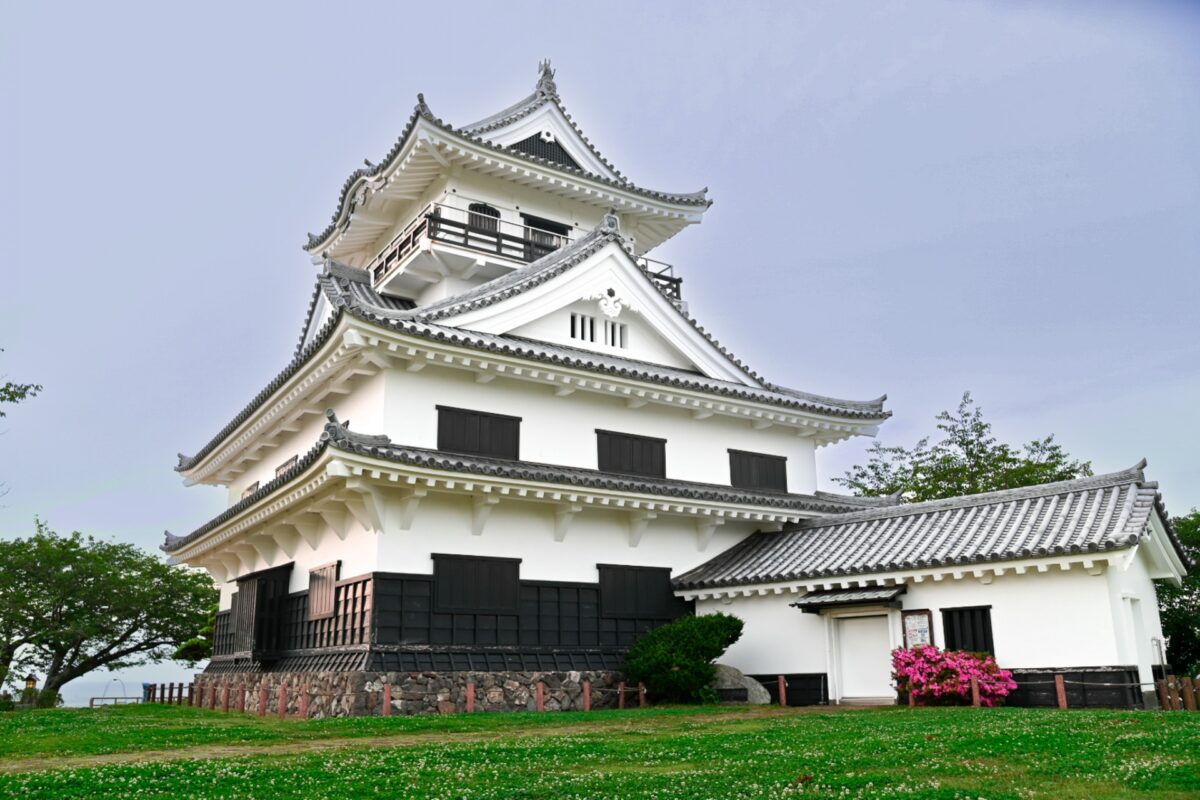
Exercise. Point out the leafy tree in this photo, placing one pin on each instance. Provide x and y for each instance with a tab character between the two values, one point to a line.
199	647
16	392
675	660
1180	606
73	604
966	460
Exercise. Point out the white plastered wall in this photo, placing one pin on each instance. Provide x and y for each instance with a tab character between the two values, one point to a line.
526	530
1054	619
643	343
562	430
363	407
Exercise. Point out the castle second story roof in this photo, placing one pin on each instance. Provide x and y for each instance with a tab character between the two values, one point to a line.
347	290
1088	515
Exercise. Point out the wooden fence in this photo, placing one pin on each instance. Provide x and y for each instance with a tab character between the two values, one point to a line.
1174	694
236	696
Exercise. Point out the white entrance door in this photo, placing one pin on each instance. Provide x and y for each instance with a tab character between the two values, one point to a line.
864	657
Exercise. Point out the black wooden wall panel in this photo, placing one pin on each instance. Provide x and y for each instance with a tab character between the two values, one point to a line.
550	620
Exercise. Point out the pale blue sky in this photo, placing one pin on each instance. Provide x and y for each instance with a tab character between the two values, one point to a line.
910	198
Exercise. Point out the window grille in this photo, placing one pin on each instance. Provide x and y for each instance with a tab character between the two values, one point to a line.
583	327
285	466
249	490
968	628
615	333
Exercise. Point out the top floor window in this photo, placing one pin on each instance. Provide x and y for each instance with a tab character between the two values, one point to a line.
543	236
483	217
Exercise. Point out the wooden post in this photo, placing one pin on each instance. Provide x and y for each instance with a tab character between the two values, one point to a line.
170	694
621	694
587	695
975	691
262	699
782	681
912	698
1173	693
641	694
541	696
191	693
150	696
283	701
241	697
387	699
212	696
225	697
1060	688
470	698
1188	690
1164	699
304	702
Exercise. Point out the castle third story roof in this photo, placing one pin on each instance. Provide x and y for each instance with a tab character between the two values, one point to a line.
476	133
1088	515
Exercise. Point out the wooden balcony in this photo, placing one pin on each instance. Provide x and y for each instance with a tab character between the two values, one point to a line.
477	232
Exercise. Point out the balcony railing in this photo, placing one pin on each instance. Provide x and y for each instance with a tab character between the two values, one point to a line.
483	233
471	230
664	276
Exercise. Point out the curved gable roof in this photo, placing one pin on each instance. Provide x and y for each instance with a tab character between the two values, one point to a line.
475	134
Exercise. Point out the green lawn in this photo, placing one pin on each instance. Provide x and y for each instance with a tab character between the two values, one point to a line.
715	753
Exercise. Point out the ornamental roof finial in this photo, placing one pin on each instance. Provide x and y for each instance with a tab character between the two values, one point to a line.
611	222
545	84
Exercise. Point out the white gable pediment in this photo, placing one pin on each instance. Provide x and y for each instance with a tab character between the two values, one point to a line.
550	124
609	289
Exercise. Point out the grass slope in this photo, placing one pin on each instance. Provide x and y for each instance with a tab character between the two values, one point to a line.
654	753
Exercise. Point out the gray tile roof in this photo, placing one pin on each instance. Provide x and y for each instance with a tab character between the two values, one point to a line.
358	283
472	134
337	436
556	263
545	93
848	597
349	291
1095	514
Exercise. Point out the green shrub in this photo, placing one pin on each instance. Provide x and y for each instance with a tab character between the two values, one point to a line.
675	661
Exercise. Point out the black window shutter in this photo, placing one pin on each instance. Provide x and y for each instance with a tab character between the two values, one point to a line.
480	585
463	431
635	592
757	471
632	455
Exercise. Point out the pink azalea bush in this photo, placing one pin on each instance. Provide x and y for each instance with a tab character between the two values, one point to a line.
943	677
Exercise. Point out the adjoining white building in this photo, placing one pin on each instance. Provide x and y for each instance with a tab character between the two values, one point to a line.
503	449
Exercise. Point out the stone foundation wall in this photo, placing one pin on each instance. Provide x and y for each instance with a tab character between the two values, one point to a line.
345	694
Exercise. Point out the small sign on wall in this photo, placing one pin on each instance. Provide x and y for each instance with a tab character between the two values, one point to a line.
918	627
